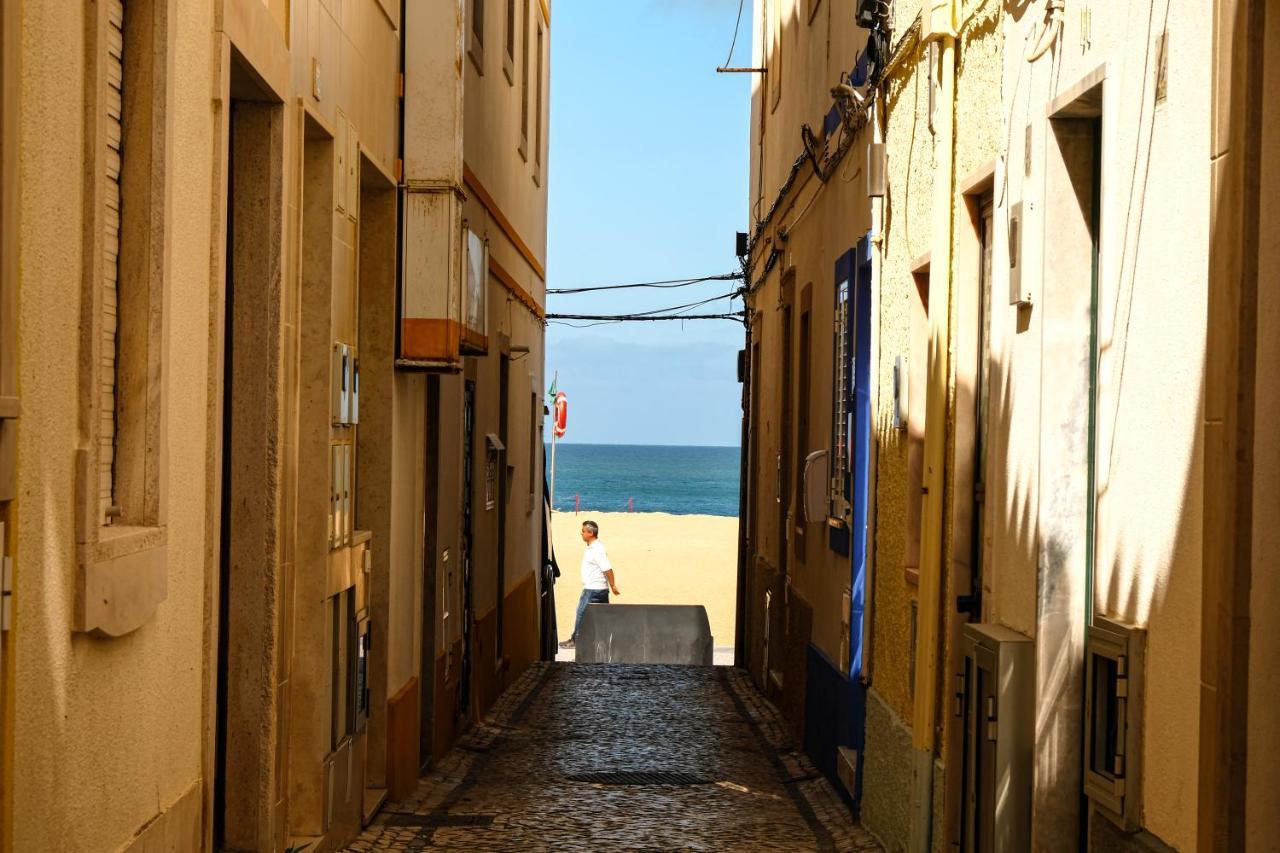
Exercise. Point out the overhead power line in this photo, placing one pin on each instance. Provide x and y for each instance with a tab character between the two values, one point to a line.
734	43
632	318
669	283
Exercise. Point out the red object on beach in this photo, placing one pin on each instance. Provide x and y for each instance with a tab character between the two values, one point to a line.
562	414
631	504
576	500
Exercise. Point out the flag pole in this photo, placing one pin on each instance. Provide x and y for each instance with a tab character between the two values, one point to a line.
554	383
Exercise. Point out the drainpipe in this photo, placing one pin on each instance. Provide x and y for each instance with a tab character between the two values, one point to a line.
941	28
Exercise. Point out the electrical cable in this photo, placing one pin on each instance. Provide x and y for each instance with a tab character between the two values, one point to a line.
626	318
737	24
669	283
669	313
687	306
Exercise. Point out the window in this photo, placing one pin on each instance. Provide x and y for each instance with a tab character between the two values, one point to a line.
108	509
524	82
841	407
475	35
917	385
126	268
1113	717
537	138
509	45
535	430
774	63
802	426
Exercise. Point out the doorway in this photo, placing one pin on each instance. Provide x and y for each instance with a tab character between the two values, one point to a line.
468	542
430	545
246	781
504	410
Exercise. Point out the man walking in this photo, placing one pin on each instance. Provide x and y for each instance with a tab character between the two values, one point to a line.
597	577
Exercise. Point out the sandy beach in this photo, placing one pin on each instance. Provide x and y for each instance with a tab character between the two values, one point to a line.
658	558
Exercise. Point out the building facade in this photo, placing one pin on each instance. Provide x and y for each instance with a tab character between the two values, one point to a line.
1055	521
265	558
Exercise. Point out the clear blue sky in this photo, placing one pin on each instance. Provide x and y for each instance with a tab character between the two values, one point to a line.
648	180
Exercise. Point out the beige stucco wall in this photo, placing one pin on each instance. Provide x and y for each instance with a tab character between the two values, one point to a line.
1151	302
110	730
491	120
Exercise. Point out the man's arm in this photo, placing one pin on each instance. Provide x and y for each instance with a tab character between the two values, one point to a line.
608	575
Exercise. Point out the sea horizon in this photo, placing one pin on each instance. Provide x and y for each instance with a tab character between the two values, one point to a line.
680	479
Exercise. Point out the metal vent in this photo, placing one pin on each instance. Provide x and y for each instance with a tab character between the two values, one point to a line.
630	777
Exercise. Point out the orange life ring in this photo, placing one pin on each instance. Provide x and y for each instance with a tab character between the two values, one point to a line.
561	414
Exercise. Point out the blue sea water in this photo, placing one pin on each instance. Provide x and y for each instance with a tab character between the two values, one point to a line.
678	480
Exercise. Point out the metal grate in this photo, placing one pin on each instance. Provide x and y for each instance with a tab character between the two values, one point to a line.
630	777
437	820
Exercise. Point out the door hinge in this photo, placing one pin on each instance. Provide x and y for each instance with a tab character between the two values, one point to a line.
979	492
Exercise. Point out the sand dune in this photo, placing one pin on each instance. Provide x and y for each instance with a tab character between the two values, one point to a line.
658	558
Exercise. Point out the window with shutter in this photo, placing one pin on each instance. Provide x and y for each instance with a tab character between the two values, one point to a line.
841	392
112	159
121	477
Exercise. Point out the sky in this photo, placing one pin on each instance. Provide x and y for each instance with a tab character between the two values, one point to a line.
648	175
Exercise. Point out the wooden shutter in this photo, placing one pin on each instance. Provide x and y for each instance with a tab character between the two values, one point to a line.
114	75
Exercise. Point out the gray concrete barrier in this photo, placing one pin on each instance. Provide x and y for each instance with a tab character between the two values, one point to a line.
645	633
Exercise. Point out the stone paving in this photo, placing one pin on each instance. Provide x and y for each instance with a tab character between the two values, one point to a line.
516	781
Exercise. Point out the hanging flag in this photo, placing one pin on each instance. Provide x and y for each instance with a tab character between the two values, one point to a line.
551	394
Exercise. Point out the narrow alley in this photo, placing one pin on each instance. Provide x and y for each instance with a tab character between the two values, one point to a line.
403	403
623	757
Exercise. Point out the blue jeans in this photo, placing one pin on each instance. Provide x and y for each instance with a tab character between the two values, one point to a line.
589	596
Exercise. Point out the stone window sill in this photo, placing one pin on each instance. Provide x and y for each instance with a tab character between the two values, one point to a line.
121	580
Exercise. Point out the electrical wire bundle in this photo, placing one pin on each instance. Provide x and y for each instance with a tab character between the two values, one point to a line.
674	312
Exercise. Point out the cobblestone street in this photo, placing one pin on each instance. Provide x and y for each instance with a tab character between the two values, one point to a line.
600	757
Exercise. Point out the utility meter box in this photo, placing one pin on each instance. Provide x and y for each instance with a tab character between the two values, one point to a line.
995	694
938	19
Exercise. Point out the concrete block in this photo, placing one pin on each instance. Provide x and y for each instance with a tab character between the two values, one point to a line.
645	633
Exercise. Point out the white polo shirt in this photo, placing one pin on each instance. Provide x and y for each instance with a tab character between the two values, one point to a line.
595	562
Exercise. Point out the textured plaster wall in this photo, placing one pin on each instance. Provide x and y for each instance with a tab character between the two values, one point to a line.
1151	345
111	729
1262	820
886	796
906	236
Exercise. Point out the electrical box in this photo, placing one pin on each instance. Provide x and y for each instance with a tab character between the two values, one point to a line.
341	384
359	681
1017	296
877	164
938	19
995	695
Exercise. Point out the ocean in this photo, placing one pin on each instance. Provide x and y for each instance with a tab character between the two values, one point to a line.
678	480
